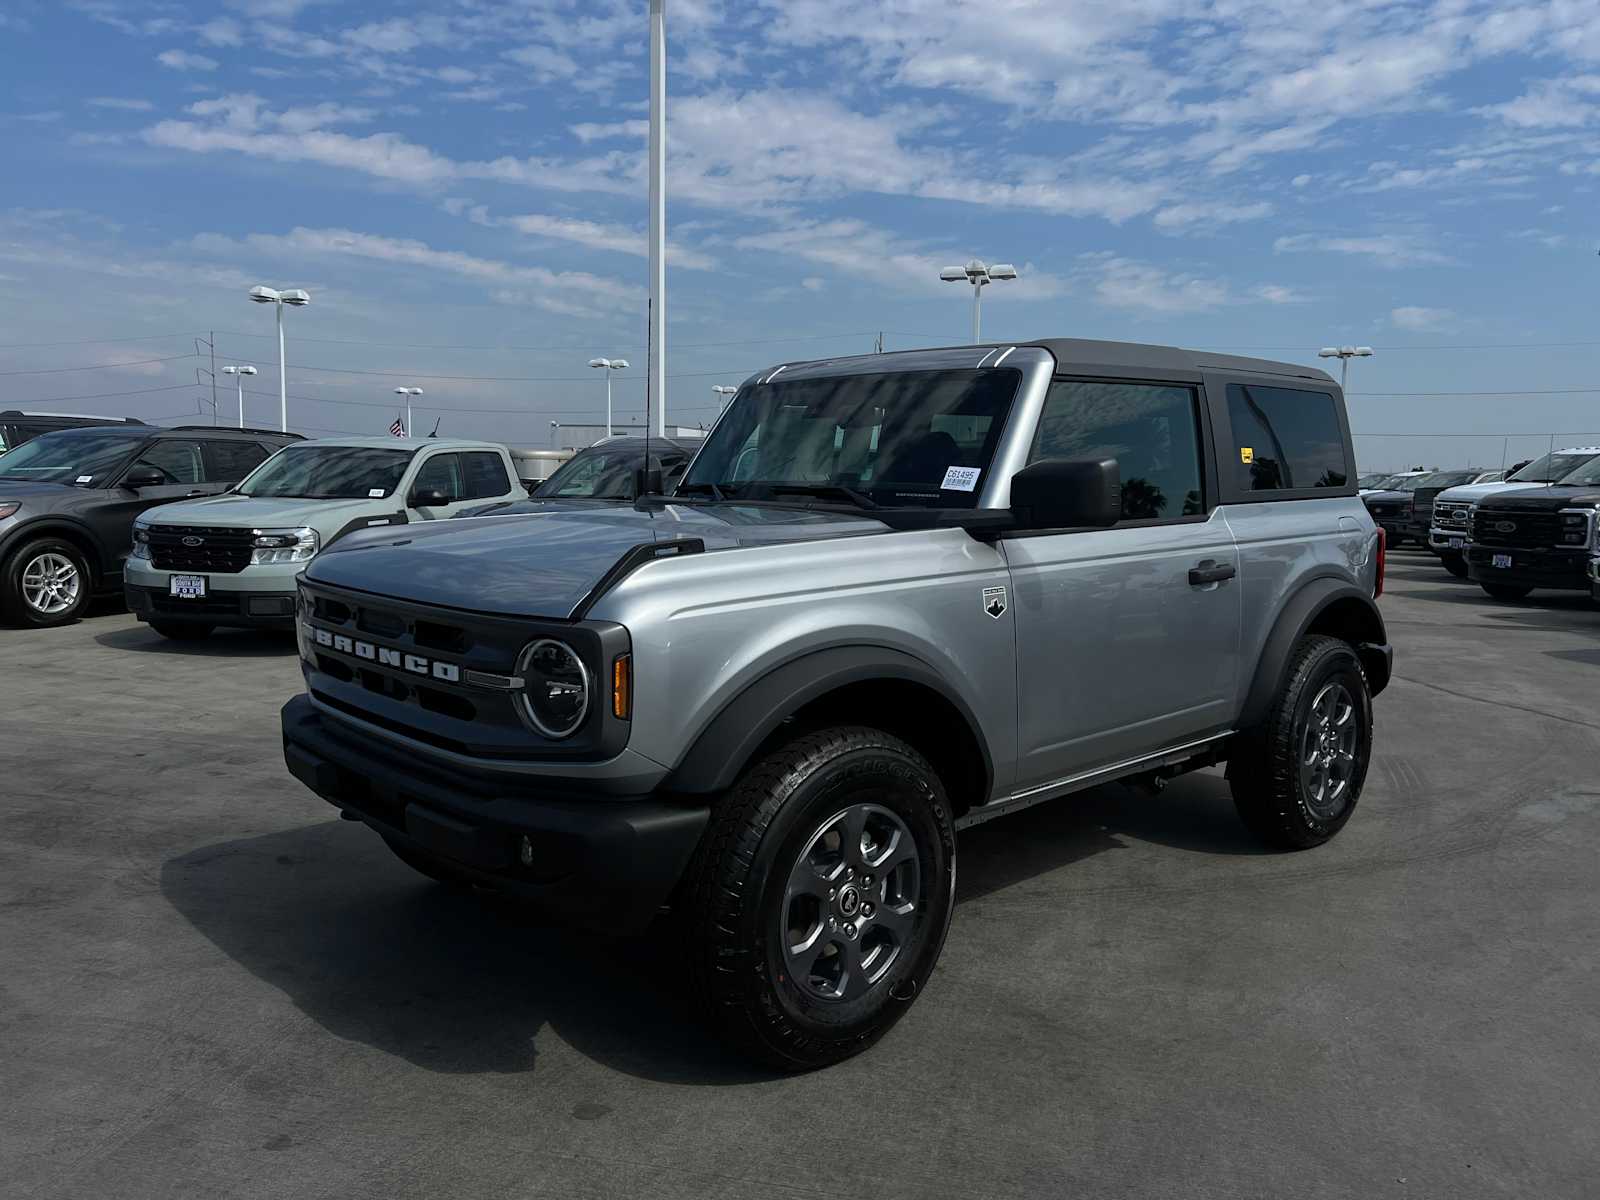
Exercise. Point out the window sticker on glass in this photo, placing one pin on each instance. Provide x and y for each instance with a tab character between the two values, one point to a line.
85	478
1247	454
374	493
960	479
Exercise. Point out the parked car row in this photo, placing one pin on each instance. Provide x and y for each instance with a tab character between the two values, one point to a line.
1536	529
200	527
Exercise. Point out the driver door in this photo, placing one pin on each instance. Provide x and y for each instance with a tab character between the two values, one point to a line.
440	471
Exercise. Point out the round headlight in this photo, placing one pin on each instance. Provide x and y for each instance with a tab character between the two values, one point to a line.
555	688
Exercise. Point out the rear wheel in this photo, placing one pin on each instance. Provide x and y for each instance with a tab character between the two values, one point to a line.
820	896
1455	564
46	582
1507	591
1296	777
183	631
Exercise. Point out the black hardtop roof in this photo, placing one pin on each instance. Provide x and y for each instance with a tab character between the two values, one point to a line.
1136	355
1089	354
247	431
84	419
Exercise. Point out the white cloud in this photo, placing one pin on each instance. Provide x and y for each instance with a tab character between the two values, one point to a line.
1551	103
544	64
1274	293
119	103
222	31
813	283
568	291
1418	319
590	131
619	239
183	60
1143	287
1198	216
1387	249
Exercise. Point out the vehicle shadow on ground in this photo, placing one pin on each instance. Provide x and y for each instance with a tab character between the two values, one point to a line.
466	983
224	643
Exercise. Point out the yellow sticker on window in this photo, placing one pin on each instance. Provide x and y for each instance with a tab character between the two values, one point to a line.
1247	454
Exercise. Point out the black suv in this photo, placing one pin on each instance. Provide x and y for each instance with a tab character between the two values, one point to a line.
68	500
1536	537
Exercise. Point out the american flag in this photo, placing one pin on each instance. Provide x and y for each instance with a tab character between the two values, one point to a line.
398	429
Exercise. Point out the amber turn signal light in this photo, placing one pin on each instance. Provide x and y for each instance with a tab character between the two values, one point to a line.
622	687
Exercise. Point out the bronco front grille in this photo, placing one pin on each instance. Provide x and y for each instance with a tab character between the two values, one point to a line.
200	548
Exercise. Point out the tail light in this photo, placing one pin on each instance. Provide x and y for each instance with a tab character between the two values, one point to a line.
1383	558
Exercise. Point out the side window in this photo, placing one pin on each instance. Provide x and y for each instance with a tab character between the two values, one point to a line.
1285	438
441	473
178	460
1152	430
485	476
231	461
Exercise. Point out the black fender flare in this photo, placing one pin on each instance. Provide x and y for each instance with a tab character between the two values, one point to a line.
102	563
371	521
1295	619
723	748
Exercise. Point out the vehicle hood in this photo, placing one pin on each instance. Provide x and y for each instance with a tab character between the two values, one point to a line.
507	508
39	495
1468	493
1550	499
327	517
544	564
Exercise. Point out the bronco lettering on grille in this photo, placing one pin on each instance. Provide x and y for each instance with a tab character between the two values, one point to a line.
416	664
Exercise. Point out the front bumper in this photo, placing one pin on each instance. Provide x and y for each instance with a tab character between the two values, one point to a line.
593	860
1564	570
241	610
1439	540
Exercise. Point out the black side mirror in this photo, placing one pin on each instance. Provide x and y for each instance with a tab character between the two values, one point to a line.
141	476
1061	493
428	498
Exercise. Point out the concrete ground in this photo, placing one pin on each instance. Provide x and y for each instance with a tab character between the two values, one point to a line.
209	986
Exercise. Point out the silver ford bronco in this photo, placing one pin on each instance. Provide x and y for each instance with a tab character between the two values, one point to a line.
892	597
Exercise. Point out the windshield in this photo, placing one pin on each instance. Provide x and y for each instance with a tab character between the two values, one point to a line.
313	472
1371	481
606	473
67	456
902	438
1585	476
1439	479
1552	467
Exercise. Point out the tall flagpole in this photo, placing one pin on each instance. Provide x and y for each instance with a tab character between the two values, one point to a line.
657	381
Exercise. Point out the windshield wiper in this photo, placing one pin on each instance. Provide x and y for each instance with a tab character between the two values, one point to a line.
821	491
713	489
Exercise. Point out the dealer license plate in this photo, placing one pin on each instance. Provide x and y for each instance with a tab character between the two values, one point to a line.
1501	560
1456	543
187	587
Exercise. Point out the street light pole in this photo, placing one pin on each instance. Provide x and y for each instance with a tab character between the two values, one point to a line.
240	373
408	392
608	365
1344	354
657	372
980	275
299	299
724	393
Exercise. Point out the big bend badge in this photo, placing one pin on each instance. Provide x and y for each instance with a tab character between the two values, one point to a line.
994	601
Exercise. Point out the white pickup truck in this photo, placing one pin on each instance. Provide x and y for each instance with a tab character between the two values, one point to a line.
231	560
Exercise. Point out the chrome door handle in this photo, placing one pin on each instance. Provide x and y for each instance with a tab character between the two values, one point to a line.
1211	572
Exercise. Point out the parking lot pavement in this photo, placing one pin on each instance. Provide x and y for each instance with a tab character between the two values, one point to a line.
209	986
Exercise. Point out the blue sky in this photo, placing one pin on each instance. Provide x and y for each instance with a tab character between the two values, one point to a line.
461	187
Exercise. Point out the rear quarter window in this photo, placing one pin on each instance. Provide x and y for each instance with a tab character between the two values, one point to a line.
1286	439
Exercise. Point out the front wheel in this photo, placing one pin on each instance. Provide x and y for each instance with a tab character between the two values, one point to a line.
820	896
46	582
1455	564
1297	776
1507	591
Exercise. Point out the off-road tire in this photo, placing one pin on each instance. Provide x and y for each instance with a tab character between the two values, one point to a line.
734	908
16	608
1264	767
183	631
435	869
1455	564
1507	591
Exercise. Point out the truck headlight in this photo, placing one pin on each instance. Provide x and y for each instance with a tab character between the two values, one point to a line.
555	687
141	540
284	546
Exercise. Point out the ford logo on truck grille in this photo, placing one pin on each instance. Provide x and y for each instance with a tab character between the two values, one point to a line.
191	541
1505	526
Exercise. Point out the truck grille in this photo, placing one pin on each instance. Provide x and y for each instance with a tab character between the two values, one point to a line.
1451	514
200	548
1516	527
